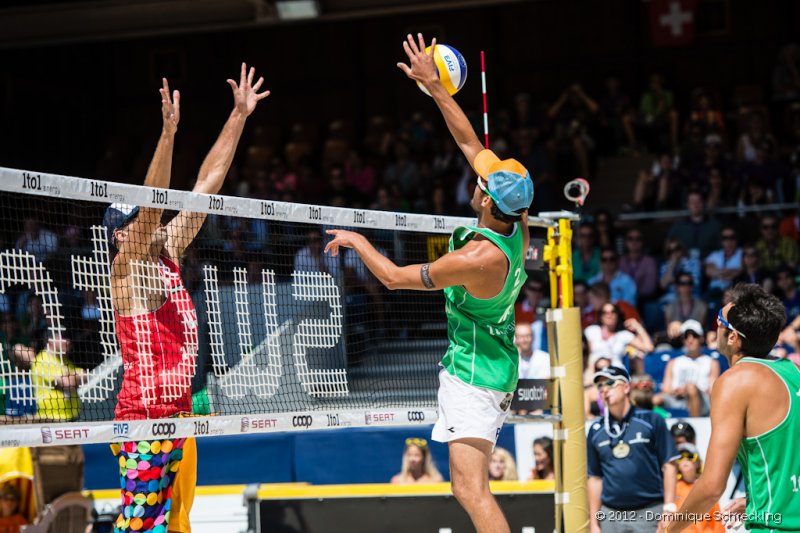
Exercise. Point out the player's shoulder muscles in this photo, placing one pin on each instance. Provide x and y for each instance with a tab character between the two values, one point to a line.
475	260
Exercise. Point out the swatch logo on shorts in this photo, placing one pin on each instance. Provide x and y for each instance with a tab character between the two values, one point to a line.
164	429
47	435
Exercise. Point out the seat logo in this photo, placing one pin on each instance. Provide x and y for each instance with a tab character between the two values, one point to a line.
304	421
164	429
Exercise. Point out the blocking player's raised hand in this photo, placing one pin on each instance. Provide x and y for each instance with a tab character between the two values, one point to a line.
170	107
245	94
421	66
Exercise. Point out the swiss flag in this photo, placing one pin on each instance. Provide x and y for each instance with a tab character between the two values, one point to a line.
672	22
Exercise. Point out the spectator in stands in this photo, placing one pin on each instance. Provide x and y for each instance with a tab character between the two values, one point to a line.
685	306
360	175
689	378
616	337
682	433
698	232
403	172
630	456
754	132
531	310
656	186
600	294
606	230
32	323
592	400
690	466
586	255
705	114
37	241
675	263
543	459
658	117
502	466
311	257
642	387
790	226
786	73
642	268
752	271
723	265
56	379
774	249
533	362
616	119
790	297
572	115
417	466
766	170
622	286
11	520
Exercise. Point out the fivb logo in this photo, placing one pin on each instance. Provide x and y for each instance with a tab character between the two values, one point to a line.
121	430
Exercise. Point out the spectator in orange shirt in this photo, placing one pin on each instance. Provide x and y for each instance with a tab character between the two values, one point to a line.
689	469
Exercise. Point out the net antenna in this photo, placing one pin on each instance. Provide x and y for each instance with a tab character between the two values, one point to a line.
485	107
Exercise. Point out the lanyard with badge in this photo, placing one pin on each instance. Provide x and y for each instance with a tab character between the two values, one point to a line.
621	449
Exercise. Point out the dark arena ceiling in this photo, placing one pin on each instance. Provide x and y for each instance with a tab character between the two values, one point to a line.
40	22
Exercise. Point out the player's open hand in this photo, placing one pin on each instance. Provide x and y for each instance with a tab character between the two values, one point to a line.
733	513
421	67
170	107
340	238
245	94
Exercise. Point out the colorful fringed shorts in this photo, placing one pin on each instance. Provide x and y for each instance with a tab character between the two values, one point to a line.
147	471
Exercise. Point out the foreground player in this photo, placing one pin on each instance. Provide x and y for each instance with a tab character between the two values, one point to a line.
755	409
157	324
481	275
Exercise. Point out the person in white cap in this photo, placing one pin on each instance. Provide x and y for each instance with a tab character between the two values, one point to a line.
688	379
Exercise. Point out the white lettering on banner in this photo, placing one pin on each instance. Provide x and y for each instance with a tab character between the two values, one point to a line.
247	376
315	333
22	268
94	274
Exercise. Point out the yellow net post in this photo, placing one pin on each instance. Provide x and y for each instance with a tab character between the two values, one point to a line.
566	361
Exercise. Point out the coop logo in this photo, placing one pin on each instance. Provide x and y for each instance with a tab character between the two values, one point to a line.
244	426
121	431
164	429
302	421
47	435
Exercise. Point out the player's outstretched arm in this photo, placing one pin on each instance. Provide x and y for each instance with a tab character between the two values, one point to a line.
470	265
184	227
140	231
422	68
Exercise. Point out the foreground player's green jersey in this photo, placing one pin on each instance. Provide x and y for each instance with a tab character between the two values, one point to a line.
481	331
770	462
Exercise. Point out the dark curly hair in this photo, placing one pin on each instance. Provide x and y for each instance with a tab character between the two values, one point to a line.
759	316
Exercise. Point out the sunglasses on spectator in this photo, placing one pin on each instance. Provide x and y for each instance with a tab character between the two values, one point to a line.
609	384
727	325
729	237
693	457
419	443
611	311
643	385
685	282
769	226
608	258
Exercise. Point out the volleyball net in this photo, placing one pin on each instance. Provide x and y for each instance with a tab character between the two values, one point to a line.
285	336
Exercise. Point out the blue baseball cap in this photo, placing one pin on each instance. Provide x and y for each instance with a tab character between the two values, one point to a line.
118	216
509	182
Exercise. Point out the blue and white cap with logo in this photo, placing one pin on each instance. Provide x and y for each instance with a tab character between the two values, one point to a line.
509	182
118	216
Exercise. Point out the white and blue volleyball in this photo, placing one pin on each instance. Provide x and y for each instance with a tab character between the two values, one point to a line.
451	66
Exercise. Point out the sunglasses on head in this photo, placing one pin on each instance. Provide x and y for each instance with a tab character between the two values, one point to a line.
727	325
419	443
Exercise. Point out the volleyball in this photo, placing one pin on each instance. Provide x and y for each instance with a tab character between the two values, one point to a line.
451	66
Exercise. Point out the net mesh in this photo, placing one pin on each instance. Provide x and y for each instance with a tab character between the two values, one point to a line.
268	330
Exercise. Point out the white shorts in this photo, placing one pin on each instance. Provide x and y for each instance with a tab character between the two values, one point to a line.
467	411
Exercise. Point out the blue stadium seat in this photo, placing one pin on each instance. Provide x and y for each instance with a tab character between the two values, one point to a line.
655	364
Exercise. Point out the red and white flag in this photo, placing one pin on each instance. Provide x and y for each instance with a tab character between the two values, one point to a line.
672	22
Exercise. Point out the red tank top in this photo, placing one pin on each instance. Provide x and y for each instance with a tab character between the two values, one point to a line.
159	353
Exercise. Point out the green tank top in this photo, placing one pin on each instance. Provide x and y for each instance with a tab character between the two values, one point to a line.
770	462
481	331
